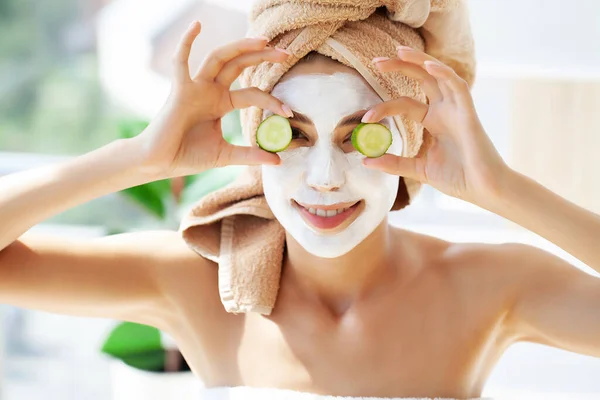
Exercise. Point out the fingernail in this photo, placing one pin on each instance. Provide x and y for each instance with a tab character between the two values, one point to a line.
287	110
193	24
404	48
367	117
380	59
433	64
284	51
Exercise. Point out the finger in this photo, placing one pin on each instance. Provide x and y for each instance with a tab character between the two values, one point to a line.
395	165
445	75
244	98
413	56
410	108
234	68
419	59
244	155
447	93
217	59
428	83
182	53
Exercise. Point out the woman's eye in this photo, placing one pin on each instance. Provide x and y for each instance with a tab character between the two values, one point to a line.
297	134
348	138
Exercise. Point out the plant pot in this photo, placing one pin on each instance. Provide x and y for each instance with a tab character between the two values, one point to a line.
132	384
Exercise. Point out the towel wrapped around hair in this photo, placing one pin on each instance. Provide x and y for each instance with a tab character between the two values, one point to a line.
234	227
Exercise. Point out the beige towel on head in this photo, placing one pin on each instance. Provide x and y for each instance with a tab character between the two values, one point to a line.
234	227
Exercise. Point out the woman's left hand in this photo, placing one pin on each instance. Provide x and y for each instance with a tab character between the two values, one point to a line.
462	161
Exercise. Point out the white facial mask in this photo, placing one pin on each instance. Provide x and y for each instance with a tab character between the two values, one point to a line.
322	174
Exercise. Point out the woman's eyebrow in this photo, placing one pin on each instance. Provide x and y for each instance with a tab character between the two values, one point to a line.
298	117
301	118
353	119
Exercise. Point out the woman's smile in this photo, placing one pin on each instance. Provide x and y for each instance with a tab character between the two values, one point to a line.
329	219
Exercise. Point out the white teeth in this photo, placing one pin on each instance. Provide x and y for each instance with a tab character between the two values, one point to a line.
332	213
326	213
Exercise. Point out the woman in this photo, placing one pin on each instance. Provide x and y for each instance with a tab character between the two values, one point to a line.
393	314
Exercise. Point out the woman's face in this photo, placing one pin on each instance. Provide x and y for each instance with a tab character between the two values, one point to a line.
321	193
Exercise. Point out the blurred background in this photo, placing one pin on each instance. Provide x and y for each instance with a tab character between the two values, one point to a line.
77	74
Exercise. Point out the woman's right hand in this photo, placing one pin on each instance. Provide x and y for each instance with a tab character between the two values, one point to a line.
185	138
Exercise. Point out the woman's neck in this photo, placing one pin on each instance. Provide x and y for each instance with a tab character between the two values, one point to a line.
340	282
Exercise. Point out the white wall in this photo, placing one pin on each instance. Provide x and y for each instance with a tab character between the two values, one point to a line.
553	33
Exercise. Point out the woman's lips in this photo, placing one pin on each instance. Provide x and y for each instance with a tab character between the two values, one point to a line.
323	222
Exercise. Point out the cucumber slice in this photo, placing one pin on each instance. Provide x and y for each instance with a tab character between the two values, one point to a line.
274	134
372	140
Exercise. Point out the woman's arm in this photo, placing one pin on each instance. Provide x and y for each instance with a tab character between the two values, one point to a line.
529	204
550	301
105	277
554	303
123	276
30	197
185	138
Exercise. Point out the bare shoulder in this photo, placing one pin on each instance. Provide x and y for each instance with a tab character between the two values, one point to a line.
171	250
488	270
509	266
184	275
188	282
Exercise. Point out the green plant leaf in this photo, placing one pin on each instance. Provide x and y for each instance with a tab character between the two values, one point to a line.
153	361
137	345
151	196
131	128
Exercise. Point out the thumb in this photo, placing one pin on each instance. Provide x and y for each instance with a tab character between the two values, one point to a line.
395	165
245	155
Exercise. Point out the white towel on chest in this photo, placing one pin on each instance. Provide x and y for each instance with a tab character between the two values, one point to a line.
249	393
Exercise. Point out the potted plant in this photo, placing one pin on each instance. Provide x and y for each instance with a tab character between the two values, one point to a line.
145	367
146	362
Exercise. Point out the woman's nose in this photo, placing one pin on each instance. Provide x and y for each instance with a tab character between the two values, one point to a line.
326	170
